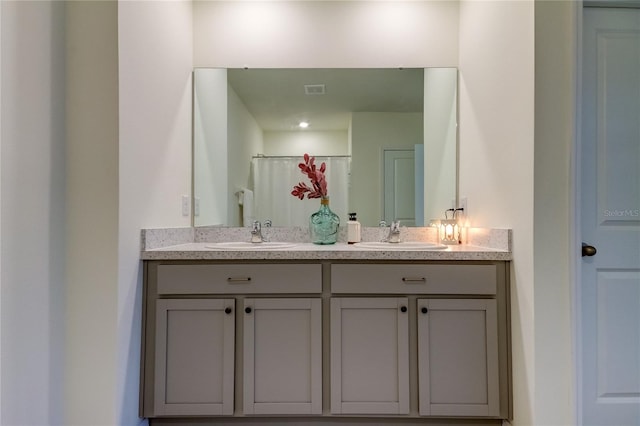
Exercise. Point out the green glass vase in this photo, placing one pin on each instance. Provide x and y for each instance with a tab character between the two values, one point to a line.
324	224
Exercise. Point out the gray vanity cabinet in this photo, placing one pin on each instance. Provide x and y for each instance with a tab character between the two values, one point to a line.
369	355
194	347
458	357
421	340
211	329
282	356
459	314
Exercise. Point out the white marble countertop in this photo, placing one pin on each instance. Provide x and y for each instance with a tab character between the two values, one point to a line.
308	251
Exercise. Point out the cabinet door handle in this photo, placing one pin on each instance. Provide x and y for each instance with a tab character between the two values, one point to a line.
414	279
238	279
227	310
424	310
247	309
403	309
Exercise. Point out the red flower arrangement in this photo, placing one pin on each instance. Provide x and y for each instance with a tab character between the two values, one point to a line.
317	178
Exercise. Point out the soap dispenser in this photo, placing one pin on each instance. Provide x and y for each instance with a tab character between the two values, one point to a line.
353	229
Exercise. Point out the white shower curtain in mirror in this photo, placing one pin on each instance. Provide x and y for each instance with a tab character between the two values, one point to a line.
273	181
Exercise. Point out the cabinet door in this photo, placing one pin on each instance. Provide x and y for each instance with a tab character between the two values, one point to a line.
283	356
458	357
369	356
194	357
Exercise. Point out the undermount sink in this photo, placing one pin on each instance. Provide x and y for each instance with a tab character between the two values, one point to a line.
246	245
407	245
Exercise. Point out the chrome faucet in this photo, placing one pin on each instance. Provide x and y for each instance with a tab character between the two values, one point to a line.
266	224
382	225
256	232
394	232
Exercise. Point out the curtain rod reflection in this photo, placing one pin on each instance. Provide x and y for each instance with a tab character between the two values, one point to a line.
299	156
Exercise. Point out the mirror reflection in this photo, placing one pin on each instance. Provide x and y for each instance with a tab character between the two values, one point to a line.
388	137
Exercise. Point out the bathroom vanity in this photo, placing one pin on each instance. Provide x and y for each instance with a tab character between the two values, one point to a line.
327	333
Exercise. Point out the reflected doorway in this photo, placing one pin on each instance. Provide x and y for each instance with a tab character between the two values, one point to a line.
399	186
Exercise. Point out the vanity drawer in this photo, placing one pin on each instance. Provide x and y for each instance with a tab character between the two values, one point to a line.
414	279
239	279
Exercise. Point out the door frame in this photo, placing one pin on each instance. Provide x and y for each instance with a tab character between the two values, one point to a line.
575	233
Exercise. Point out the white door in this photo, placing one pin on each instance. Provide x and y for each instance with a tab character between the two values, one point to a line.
399	186
369	355
282	356
610	218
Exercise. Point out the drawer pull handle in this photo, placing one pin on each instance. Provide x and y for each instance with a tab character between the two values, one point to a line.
424	310
238	279
414	279
227	310
247	309
403	309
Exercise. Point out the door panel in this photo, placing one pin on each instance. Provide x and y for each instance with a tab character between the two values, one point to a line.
458	357
610	218
369	356
399	186
618	316
283	356
195	352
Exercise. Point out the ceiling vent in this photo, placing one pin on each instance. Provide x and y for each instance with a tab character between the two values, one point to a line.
314	89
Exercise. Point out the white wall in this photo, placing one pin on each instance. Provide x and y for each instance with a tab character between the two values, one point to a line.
318	143
92	213
372	132
32	212
226	137
319	34
440	140
210	146
245	141
155	64
553	215
1	215
496	155
89	370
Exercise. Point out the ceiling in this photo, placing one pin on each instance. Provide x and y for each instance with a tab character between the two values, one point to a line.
276	97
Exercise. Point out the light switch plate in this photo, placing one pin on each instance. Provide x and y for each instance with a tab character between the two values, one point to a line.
464	205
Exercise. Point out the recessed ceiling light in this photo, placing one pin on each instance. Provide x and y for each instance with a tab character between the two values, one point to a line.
303	124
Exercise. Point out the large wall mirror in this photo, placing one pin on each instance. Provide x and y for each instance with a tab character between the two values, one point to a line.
388	137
